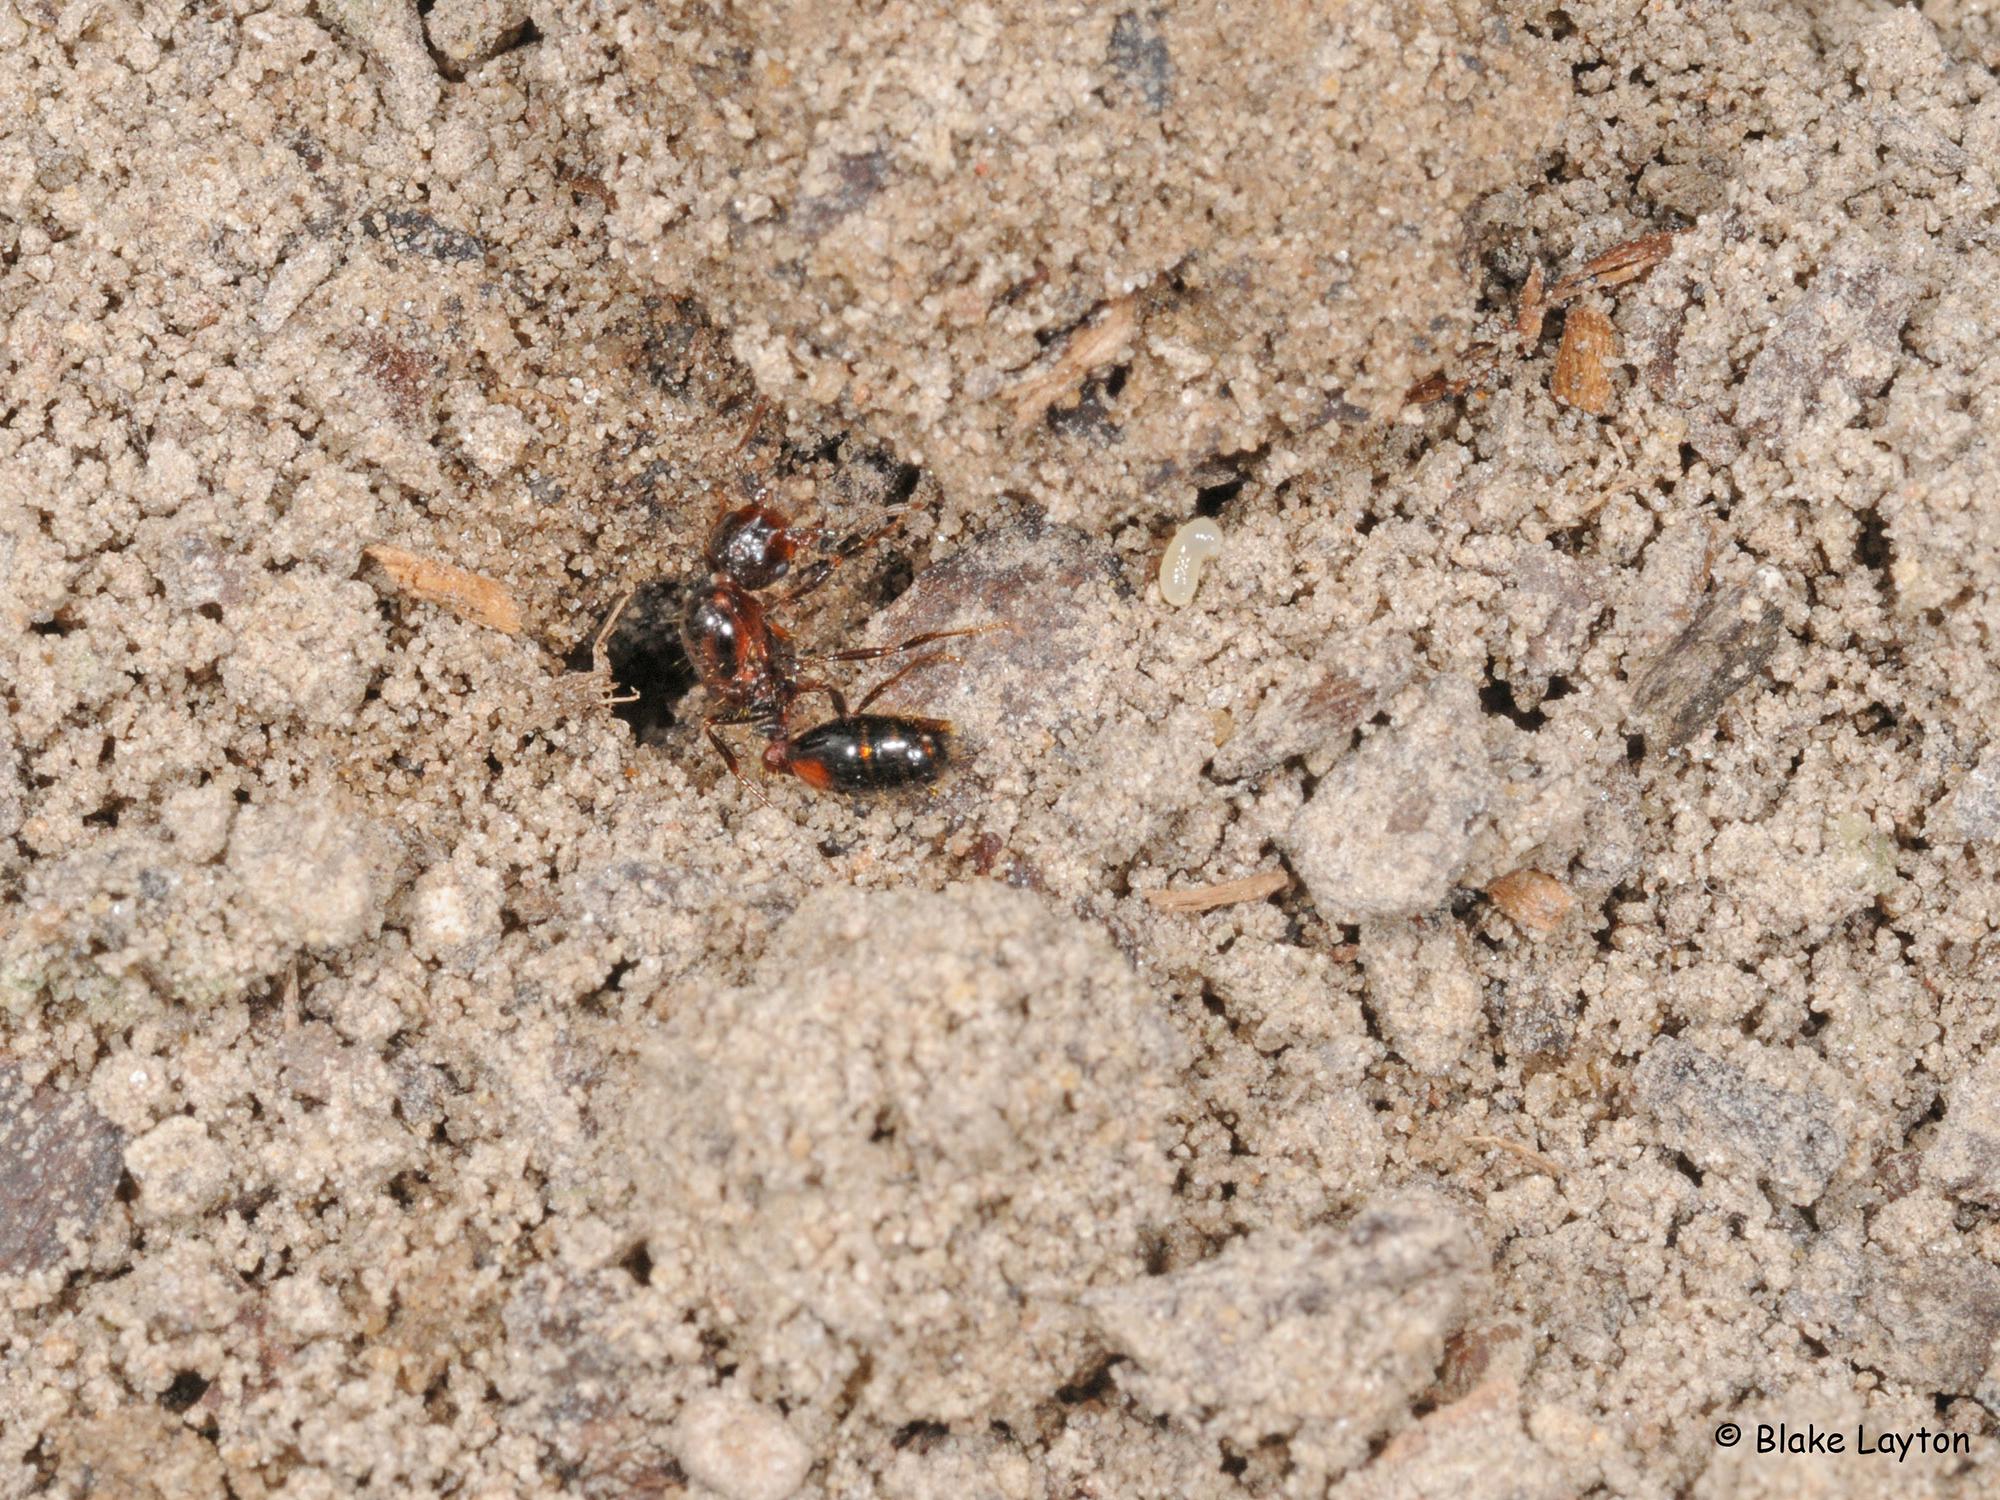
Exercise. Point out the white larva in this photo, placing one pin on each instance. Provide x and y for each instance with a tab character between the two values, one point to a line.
1181	564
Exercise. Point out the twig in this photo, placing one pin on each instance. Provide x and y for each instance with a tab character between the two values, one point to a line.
1227	893
1527	1154
1089	349
1619	264
469	595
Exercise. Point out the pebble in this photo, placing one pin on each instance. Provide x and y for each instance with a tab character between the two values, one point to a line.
740	1449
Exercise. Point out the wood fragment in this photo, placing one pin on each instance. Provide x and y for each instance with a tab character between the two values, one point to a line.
1430	388
1615	267
1527	1154
1090	348
1536	901
1528	316
1477	362
469	595
1226	893
1582	376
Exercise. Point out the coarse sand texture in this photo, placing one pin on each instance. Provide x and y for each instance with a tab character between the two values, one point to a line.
1457	952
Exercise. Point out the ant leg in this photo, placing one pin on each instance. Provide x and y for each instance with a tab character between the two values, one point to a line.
928	659
870	653
819	570
600	663
721	747
757	415
729	759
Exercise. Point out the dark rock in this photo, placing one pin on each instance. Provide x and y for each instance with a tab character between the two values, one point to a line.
59	1165
1139	55
1725	645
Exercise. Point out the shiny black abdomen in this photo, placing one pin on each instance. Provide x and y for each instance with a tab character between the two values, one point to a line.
869	752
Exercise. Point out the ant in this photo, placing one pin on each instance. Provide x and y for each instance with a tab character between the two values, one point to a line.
745	659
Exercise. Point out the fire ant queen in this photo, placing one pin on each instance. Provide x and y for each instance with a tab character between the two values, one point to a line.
753	674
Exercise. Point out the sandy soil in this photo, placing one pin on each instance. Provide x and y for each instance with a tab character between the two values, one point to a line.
1501	984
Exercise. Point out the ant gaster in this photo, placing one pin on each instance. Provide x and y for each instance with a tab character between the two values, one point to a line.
863	752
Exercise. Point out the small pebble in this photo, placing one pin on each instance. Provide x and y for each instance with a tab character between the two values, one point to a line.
59	1164
1181	564
181	1171
740	1449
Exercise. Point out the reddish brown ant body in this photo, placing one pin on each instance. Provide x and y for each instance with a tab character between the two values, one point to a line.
746	661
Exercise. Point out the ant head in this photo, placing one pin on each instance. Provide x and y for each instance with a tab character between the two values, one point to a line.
751	546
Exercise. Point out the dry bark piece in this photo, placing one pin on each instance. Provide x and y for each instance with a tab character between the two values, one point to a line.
1528	316
469	595
1582	375
59	1165
1320	701
1616	266
1477	360
1535	901
1223	893
1092	347
1723	647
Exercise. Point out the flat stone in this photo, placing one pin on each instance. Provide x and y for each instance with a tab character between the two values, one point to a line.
1390	828
59	1166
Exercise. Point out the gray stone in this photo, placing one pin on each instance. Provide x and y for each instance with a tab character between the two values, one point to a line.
1390	828
1788	1134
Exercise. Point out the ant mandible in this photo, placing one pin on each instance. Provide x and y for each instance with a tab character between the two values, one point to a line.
745	659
